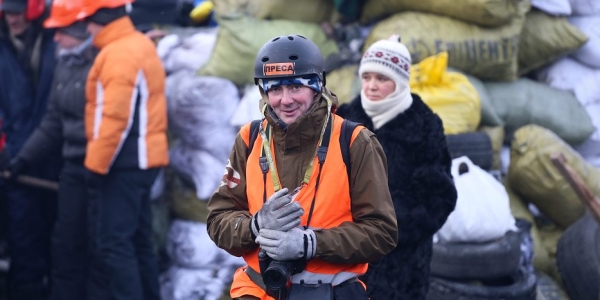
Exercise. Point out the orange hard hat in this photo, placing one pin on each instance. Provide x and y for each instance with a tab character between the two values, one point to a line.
91	6
63	13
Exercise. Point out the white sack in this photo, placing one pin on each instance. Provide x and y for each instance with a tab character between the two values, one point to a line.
585	7
199	111
247	110
188	53
589	53
482	211
553	7
190	284
200	167
565	73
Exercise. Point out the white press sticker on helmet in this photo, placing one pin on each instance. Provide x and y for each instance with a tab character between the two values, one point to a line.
231	177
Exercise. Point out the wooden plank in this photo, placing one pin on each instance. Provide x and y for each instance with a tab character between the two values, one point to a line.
32	181
589	200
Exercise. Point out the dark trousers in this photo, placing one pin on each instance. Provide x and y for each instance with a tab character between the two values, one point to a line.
31	212
124	264
69	238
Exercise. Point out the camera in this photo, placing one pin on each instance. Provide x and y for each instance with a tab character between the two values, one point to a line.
277	273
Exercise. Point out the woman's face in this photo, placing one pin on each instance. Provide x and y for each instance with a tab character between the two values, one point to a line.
290	101
377	86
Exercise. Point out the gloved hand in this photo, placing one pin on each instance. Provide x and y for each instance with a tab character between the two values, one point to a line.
16	167
277	213
290	245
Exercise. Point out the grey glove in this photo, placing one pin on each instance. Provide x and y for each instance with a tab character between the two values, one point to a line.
294	244
279	212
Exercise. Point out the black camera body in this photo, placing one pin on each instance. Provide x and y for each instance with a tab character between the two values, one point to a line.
276	274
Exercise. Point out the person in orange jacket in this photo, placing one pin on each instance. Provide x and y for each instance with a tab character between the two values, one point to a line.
318	239
125	124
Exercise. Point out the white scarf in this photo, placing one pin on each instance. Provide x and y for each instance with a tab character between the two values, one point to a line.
382	111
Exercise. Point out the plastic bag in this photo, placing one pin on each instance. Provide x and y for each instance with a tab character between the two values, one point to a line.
449	94
482	211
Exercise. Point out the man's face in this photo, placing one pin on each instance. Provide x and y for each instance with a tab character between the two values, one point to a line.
94	28
66	41
290	101
17	24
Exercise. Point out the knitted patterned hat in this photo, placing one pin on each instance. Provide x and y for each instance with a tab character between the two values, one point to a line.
388	57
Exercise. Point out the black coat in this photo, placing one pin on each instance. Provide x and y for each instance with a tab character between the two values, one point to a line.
423	193
63	124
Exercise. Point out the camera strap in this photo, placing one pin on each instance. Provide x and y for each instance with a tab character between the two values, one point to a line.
256	278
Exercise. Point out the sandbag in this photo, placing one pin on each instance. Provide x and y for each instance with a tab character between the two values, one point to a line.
481	12
312	11
200	168
546	38
488	53
589	53
186	53
199	109
448	94
238	42
489	117
345	83
565	73
534	177
248	108
496	135
553	7
529	102
541	258
571	75
585	7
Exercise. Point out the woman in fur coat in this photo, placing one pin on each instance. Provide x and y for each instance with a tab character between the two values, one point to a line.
419	163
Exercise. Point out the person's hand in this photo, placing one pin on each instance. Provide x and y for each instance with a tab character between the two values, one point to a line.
16	167
290	245
279	212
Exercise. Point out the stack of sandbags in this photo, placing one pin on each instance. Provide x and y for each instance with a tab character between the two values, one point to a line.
579	73
199	270
199	111
493	40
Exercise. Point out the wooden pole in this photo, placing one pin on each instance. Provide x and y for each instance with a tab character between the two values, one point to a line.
32	181
584	194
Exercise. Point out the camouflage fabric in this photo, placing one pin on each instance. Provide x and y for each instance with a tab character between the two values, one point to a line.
311	81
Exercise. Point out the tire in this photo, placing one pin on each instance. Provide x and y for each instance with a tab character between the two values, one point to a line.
477	260
578	259
548	289
520	286
477	146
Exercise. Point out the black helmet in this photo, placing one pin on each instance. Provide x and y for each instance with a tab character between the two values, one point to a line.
289	56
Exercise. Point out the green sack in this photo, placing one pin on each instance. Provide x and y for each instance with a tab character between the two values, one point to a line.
536	179
488	53
479	12
546	38
311	11
345	83
238	42
529	102
489	117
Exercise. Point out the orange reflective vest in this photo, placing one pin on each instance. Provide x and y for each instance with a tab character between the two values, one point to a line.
332	207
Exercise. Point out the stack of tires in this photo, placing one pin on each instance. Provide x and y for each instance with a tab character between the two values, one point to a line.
499	269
